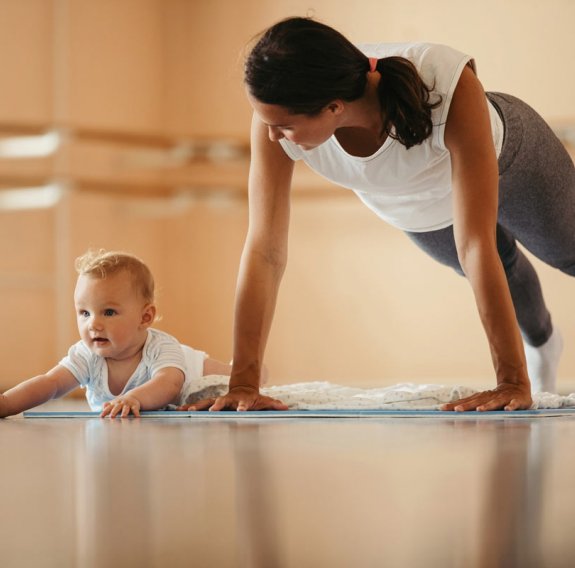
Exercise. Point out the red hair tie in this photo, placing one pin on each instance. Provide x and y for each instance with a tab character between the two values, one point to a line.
373	64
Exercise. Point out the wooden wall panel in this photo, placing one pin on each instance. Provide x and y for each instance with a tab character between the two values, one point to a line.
199	281
26	58
113	74
28	338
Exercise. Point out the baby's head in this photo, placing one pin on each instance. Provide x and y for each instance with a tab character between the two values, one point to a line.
101	264
114	299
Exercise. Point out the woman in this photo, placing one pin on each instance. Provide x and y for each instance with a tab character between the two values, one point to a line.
410	129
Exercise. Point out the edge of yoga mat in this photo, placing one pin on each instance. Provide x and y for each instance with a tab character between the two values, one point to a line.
279	414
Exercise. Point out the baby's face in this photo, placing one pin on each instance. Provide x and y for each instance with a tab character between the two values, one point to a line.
112	315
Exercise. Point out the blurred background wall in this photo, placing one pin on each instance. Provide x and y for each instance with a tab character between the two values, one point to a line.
123	124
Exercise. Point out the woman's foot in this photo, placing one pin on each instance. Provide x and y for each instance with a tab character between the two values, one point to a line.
542	363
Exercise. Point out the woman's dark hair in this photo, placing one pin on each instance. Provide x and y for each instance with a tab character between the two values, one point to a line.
304	65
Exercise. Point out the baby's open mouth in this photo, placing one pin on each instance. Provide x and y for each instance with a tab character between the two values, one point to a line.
99	340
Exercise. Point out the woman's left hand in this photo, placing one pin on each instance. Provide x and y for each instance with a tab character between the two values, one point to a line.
506	396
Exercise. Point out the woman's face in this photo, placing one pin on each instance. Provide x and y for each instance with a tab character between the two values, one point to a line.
301	129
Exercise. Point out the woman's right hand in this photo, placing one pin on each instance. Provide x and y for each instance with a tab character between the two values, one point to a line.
238	398
506	396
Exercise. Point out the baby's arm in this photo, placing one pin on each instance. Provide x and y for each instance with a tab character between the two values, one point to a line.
37	390
159	391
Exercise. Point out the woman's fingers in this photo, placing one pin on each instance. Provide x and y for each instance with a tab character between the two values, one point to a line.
238	399
504	397
247	401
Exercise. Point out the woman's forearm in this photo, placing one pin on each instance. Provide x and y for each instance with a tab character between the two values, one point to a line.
264	256
485	273
258	283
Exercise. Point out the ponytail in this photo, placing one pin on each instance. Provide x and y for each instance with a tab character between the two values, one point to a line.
404	99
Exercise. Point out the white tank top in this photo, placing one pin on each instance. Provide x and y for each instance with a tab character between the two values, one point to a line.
410	189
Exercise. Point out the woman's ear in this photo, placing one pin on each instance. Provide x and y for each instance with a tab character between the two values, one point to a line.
336	107
148	315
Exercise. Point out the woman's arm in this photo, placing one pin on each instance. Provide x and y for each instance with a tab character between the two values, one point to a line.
215	367
261	269
475	180
37	390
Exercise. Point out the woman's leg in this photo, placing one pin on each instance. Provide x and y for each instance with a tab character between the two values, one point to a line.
532	315
536	185
543	345
536	207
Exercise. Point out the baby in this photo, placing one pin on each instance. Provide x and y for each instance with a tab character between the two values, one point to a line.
124	364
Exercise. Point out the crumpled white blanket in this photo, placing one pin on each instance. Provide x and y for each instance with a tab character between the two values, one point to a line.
320	395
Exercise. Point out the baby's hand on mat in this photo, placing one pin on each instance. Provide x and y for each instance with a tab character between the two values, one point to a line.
238	398
506	396
122	405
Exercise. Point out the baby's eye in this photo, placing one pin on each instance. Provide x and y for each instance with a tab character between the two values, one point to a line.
110	312
84	313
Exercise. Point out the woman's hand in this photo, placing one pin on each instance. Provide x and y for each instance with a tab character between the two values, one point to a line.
506	396
122	405
238	398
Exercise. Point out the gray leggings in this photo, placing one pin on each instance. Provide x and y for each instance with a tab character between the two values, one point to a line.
536	208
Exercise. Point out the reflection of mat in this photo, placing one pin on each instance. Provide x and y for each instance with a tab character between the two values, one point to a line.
274	414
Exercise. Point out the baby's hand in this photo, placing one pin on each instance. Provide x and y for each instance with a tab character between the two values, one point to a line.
123	405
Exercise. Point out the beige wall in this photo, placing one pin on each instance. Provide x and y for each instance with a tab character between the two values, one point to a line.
359	304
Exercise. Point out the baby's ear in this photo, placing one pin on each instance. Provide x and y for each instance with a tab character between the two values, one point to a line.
148	315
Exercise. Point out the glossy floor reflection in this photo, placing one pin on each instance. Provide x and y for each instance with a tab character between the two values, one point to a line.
294	493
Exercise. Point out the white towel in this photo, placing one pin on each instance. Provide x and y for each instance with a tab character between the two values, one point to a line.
324	395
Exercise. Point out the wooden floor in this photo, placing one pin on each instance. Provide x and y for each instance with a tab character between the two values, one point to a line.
383	492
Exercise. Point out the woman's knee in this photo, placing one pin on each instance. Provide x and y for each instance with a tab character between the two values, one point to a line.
507	249
439	245
568	267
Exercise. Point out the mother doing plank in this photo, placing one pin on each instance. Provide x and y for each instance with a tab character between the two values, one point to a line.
465	173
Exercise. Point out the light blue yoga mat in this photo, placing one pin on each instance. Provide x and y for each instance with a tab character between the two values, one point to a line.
283	414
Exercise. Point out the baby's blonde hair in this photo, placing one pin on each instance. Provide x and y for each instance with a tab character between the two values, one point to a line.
101	263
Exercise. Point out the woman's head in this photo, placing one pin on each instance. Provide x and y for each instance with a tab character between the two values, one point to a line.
303	65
